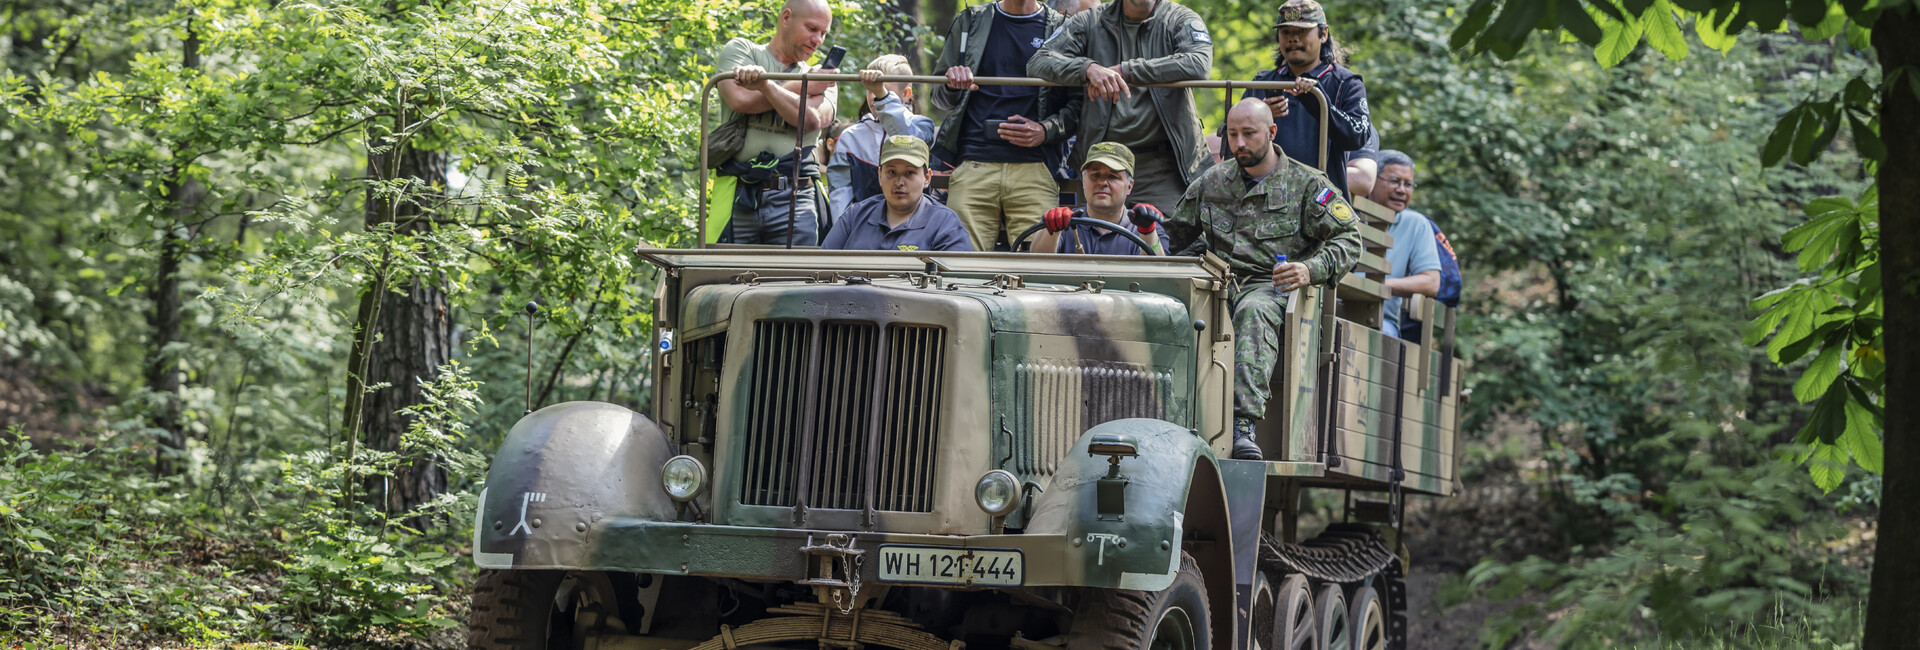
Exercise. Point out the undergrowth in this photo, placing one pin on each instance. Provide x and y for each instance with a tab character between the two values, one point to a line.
93	547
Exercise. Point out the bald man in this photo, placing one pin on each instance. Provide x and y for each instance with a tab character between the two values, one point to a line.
751	195
1264	206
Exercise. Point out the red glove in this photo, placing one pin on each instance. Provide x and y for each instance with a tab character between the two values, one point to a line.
1146	218
1056	219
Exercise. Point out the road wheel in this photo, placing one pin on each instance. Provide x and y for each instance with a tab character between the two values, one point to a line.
538	610
1293	616
1174	618
1330	617
1263	618
1369	617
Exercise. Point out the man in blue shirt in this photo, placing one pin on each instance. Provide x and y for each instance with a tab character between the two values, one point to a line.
1415	257
901	217
1305	51
1106	180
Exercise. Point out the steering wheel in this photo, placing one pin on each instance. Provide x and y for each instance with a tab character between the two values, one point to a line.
1020	243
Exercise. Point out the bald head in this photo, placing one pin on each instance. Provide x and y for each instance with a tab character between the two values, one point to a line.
803	27
1249	134
802	8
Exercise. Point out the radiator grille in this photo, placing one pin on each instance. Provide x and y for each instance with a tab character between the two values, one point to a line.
1059	399
916	359
773	416
829	386
845	411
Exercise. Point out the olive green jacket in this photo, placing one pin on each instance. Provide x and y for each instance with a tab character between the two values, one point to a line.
1058	108
1177	48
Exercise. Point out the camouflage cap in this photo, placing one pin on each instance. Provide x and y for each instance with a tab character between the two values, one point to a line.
1301	13
1114	155
904	147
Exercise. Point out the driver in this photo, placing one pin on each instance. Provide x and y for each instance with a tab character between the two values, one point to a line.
1106	178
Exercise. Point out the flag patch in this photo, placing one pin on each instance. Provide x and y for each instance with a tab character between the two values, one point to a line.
1324	196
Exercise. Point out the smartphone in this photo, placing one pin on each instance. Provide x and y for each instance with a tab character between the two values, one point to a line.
834	56
993	130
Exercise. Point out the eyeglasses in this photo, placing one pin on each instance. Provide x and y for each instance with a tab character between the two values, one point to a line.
1400	183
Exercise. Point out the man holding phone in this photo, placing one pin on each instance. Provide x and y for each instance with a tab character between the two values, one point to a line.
1003	141
753	193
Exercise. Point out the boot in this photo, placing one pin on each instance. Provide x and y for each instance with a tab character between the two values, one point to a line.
1243	446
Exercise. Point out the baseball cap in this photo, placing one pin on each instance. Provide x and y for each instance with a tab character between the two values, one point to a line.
1112	154
904	147
1301	13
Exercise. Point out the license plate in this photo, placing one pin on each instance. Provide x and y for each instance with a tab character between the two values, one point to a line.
955	566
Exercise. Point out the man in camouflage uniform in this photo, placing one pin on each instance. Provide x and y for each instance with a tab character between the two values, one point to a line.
1251	213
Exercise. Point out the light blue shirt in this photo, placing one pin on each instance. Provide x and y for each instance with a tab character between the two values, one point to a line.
1414	252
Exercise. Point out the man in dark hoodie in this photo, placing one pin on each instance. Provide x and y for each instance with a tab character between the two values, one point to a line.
1002	142
1111	50
1305	51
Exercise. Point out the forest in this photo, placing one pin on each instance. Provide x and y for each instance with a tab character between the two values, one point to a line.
263	314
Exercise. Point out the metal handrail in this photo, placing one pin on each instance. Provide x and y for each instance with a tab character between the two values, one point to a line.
706	94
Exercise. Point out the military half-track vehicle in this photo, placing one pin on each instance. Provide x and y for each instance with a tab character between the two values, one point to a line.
935	450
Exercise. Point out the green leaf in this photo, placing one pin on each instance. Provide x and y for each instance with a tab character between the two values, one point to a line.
1807	139
1516	20
1712	29
1663	31
1862	438
1827	464
1808	12
1783	133
1866	140
1574	18
1829	23
1818	377
1475	21
1861	38
1617	41
1766	15
1828	421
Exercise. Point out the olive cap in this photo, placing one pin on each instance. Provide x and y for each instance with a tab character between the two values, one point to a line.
1301	13
1114	155
904	147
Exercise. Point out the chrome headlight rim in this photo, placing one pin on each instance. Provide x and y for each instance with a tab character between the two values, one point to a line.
683	478
1009	486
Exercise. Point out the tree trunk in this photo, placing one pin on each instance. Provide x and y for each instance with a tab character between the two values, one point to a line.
401	338
940	15
163	365
905	42
1896	557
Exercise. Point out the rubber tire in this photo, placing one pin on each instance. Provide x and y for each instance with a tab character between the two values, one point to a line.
1293	615
1124	619
1330	619
1357	605
512	610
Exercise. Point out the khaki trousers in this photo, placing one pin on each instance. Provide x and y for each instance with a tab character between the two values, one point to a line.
992	196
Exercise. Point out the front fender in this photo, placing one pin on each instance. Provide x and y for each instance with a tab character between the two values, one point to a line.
1140	549
562	472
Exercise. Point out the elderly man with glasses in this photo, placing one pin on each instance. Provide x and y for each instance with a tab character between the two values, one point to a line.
1415	255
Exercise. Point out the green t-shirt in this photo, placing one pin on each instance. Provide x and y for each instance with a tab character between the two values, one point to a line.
1136	123
765	131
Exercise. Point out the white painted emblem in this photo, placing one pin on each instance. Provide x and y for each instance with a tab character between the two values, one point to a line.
1101	558
526	498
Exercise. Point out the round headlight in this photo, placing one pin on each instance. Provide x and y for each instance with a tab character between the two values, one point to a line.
998	492
683	478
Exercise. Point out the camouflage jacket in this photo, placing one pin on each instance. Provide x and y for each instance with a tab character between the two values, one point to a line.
1294	212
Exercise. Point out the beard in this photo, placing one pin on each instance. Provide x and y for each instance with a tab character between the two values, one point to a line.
1251	159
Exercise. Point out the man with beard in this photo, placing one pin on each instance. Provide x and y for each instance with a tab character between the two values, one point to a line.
1106	180
1305	51
1112	49
1251	213
901	218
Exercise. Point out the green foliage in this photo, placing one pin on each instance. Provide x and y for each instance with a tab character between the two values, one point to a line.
356	572
1845	423
1732	546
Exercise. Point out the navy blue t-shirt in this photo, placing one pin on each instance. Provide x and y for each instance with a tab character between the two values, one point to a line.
933	227
1104	241
1010	42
